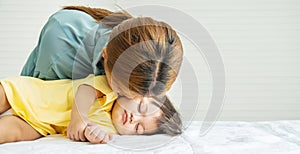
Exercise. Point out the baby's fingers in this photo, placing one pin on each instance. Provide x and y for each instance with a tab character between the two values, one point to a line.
70	134
81	136
99	135
96	135
106	138
88	132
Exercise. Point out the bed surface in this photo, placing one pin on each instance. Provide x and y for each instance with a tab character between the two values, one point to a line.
225	137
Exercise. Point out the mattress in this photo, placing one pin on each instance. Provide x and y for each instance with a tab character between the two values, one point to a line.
225	137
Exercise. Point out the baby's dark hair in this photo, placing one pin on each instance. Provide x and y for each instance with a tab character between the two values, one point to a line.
170	121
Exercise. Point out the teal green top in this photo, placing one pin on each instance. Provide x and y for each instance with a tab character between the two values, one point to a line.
70	46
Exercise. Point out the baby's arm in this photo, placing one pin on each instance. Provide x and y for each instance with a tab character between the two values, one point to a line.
84	98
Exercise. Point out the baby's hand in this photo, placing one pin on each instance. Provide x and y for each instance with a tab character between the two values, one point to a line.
75	130
95	134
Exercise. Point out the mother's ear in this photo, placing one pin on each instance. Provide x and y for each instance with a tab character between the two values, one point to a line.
104	53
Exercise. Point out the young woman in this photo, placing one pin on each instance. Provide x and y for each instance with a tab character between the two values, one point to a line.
140	57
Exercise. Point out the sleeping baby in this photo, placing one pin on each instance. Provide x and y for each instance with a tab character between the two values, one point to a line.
83	110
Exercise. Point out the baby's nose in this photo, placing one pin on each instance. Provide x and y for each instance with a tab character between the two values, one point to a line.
134	118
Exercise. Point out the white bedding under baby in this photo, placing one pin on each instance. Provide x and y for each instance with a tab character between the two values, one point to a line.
225	137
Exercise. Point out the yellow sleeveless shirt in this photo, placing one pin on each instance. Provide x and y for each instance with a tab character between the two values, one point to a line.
47	105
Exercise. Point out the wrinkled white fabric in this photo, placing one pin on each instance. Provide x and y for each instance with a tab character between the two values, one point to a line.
225	137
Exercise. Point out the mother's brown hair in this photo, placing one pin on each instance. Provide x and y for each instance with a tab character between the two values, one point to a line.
153	52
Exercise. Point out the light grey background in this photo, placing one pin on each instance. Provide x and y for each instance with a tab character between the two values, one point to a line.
259	41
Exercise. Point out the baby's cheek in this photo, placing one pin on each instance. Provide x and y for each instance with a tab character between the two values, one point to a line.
118	127
126	131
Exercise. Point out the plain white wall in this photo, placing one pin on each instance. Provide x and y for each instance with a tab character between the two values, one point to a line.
258	41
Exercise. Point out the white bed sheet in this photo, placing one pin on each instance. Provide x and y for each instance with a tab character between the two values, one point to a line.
225	137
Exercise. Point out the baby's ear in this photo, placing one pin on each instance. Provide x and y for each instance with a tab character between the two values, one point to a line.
104	53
